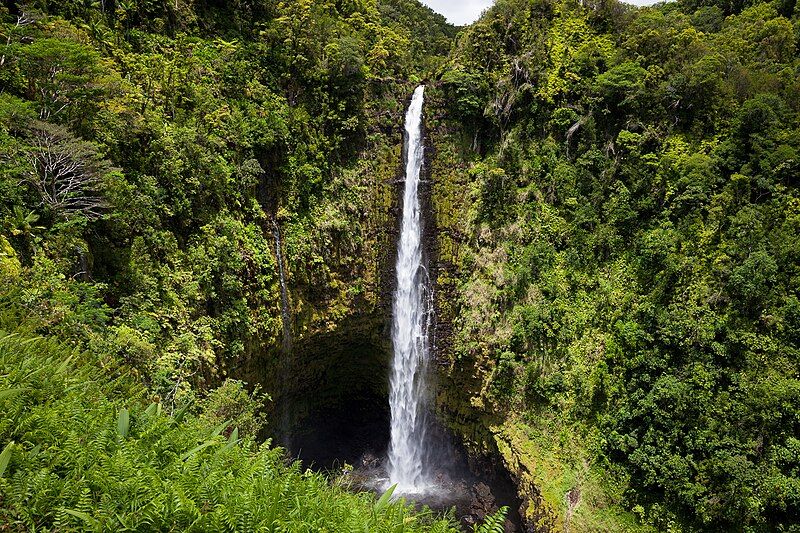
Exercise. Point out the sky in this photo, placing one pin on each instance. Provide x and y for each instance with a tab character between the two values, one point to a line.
462	12
459	12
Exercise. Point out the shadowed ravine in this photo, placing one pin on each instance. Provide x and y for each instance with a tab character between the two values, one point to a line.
374	444
253	276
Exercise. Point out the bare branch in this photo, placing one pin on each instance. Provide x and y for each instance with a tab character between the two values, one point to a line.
67	172
23	19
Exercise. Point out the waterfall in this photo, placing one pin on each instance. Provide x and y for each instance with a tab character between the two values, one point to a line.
285	316
410	321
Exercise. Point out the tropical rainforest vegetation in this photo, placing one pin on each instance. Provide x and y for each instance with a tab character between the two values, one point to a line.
629	266
148	150
617	206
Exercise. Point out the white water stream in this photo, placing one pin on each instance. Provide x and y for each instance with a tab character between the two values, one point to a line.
410	326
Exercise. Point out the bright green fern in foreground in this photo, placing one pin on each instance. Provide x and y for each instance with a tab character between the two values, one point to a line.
83	450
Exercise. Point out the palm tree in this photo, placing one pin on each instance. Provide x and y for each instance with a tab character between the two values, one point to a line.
22	224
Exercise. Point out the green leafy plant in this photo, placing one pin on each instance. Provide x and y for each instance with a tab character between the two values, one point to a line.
494	523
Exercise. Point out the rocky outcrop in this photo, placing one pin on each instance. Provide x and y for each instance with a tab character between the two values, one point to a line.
539	516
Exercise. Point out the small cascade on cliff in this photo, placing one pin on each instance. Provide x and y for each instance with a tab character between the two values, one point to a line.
285	315
410	321
285	410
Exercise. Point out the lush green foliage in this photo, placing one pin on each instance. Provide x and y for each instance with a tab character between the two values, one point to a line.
429	33
152	157
631	268
151	150
81	452
626	261
494	523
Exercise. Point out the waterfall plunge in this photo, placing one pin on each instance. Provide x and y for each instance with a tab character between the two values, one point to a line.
411	308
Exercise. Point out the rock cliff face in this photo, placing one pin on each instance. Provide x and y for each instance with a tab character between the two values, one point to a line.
462	378
339	311
538	514
335	375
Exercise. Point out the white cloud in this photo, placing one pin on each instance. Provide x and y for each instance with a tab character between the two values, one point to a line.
461	12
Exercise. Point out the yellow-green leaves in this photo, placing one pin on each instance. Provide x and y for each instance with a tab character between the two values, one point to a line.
385	499
575	51
10	266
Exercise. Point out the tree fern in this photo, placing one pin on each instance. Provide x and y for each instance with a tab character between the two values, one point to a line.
93	458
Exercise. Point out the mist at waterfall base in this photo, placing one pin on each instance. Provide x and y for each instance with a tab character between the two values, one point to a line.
404	446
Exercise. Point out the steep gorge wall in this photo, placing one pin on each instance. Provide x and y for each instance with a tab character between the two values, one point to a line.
340	309
462	378
341	329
